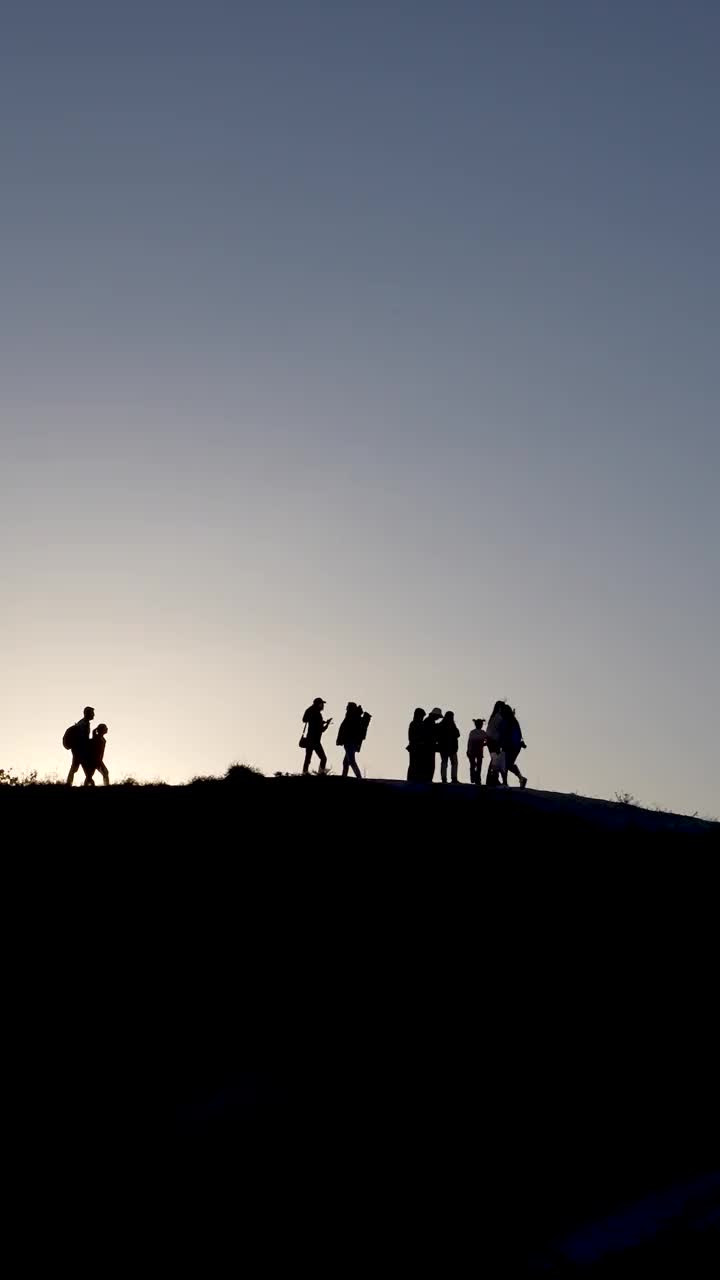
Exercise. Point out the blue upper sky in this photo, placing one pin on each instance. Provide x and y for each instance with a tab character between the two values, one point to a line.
368	350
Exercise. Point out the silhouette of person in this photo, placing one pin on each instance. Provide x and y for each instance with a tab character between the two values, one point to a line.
430	744
416	745
496	736
80	742
477	738
351	736
315	727
448	736
513	745
95	759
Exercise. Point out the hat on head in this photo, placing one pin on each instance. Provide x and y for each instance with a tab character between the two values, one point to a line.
318	702
436	711
479	721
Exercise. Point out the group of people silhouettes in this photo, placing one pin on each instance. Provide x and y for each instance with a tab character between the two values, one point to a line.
351	735
433	734
430	735
88	749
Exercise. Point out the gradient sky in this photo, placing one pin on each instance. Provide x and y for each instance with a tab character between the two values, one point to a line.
368	350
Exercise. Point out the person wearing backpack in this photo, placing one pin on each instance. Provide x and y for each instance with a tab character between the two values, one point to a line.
77	740
315	726
351	736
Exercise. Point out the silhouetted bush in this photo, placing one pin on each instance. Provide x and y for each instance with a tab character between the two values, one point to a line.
243	775
10	779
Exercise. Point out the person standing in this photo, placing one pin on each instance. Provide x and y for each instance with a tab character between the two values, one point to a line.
448	736
77	740
315	726
416	745
96	754
475	748
430	744
351	736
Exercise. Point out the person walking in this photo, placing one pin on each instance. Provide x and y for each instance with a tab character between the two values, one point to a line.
477	738
430	744
416	745
315	726
77	740
96	753
351	735
495	740
448	736
514	744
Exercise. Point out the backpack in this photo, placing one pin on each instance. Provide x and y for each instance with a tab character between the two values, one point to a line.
70	738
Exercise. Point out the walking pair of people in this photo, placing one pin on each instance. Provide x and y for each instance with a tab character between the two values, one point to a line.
88	750
505	742
351	735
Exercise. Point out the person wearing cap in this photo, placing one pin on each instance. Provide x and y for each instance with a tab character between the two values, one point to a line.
475	748
315	726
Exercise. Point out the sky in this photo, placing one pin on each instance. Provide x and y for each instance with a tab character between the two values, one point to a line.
367	351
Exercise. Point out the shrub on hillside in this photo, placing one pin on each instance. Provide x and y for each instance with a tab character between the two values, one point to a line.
243	775
10	779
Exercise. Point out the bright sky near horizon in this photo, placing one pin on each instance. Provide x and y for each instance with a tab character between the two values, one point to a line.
369	350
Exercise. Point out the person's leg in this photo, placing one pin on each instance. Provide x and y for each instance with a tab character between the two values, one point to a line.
103	771
346	762
73	770
320	753
308	757
492	774
512	767
443	767
453	766
353	762
473	769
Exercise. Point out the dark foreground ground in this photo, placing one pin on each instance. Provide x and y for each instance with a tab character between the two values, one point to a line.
309	1025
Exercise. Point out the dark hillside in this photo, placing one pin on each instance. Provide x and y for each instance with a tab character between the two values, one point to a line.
362	1024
